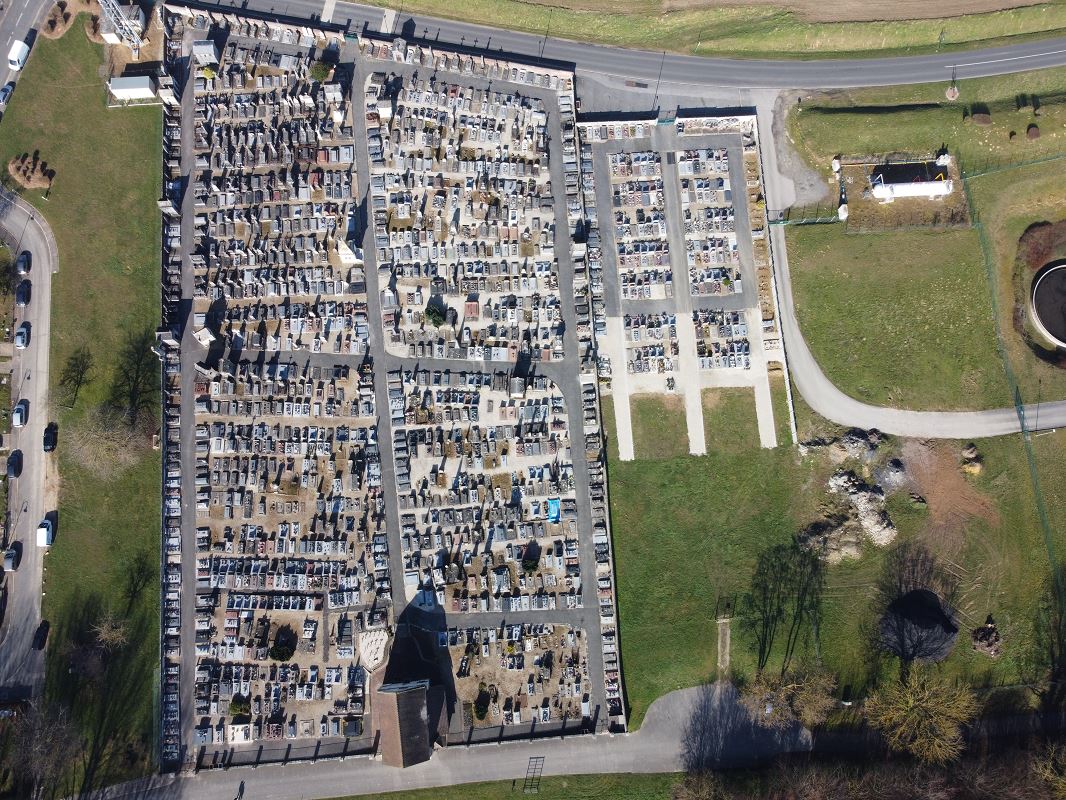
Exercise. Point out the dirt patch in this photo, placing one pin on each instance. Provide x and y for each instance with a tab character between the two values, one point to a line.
951	499
60	18
30	171
810	186
1040	244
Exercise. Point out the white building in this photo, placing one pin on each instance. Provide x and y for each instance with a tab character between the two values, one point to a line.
136	88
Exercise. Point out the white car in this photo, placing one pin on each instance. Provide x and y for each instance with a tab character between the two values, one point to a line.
22	336
45	534
20	414
17	55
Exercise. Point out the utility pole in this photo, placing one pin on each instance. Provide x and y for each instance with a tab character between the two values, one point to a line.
655	99
547	30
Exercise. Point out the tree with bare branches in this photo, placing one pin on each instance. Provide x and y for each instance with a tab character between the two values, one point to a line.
923	715
778	701
76	373
110	632
45	744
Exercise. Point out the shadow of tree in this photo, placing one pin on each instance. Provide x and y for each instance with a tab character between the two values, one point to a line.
719	732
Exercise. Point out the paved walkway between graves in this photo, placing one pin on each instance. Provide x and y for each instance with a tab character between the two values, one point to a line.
623	421
688	380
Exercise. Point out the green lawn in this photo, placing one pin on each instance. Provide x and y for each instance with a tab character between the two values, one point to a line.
102	211
730	424
900	318
659	429
572	787
687	531
751	31
917	119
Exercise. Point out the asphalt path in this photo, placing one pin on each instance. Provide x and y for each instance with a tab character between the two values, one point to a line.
22	667
673	68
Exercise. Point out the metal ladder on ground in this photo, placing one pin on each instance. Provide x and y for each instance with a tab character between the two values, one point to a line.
533	773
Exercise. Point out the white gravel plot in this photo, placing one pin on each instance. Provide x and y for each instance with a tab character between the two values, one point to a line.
623	422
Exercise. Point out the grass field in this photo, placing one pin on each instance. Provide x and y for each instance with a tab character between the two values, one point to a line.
730	424
102	211
739	31
687	532
900	318
659	429
572	787
1008	200
918	119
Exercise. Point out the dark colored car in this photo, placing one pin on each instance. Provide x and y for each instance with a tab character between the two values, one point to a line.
14	464
51	436
40	638
22	294
22	265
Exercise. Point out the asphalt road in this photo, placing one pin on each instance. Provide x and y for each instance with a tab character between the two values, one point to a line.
671	68
22	667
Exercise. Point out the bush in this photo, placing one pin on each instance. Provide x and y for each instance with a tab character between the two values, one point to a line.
481	705
435	315
320	71
239	704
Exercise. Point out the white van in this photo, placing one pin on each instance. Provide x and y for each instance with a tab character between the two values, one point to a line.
17	55
45	535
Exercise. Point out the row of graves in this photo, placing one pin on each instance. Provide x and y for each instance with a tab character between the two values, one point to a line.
488	515
273	186
517	674
709	221
637	204
464	220
290	534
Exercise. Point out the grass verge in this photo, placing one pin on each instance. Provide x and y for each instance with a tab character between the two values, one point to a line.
659	429
750	31
571	787
730	424
102	211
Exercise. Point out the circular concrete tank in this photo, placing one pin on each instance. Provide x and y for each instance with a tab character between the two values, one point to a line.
1047	302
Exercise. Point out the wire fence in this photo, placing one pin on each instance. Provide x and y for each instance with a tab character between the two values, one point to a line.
1019	405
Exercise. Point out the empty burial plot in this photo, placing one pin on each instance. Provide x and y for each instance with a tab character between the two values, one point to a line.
659	429
729	420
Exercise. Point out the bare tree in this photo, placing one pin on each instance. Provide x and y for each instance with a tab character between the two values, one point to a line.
76	373
923	715
779	701
135	387
110	632
45	745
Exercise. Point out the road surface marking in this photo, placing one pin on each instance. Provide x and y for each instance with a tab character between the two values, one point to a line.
1007	58
388	20
327	11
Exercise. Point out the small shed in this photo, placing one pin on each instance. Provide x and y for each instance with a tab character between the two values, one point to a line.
204	53
132	88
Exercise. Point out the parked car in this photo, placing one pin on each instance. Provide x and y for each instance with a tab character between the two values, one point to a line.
22	294
20	414
45	533
40	638
51	436
14	464
5	94
22	336
11	559
22	265
17	55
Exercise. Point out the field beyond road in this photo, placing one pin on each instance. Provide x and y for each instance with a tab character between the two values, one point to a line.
802	29
102	211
